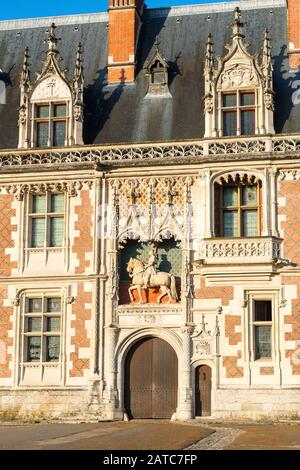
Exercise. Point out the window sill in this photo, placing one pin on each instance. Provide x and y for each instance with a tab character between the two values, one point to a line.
48	250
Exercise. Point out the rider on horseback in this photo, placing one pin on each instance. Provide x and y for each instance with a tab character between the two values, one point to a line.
150	266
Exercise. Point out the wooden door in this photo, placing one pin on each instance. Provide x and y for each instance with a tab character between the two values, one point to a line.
151	380
203	391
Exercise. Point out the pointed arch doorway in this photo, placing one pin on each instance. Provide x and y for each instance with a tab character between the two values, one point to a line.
151	380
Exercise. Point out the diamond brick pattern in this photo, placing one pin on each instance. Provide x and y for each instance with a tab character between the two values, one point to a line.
80	340
5	326
294	321
84	243
6	230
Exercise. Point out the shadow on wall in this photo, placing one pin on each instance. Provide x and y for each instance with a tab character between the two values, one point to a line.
5	80
287	89
100	101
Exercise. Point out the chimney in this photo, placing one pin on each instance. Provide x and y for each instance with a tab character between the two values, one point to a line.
294	33
125	21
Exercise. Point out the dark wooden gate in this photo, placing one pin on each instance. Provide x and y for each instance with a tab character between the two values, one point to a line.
203	391
151	380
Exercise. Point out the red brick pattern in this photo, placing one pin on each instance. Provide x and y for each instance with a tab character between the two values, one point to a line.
294	31
5	326
221	292
124	25
231	321
233	371
291	191
266	370
6	230
83	244
294	321
80	340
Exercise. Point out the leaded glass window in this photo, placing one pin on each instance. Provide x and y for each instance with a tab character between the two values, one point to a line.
46	220
42	329
51	124
238	113
239	210
262	324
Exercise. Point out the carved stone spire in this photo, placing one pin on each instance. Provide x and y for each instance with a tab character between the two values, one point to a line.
267	72
52	40
237	25
25	74
209	56
267	65
209	75
78	71
25	87
78	89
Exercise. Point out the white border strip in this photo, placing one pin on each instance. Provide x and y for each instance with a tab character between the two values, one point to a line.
216	8
152	13
58	20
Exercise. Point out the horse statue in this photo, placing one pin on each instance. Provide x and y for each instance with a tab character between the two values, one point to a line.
165	281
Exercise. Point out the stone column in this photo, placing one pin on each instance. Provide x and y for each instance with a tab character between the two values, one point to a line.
111	394
185	408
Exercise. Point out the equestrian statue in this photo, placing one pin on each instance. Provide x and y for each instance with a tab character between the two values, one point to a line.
145	275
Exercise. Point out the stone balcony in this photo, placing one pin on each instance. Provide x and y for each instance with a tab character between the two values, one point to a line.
232	251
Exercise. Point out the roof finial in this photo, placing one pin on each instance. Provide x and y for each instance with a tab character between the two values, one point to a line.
237	25
157	43
52	40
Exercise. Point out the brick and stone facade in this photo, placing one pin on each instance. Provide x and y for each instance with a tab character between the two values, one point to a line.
122	198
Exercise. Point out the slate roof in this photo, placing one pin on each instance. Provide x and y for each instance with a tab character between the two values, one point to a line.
116	114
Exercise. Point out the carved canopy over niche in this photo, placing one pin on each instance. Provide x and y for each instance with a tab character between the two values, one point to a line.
51	86
151	209
238	70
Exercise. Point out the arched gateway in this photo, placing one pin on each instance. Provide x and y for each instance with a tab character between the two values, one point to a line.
151	379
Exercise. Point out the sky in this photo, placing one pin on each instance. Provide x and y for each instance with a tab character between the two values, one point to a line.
15	9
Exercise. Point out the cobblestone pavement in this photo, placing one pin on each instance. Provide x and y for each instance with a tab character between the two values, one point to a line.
133	435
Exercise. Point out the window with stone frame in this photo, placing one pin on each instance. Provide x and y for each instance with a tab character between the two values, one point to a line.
46	220
238	209
239	111
51	124
262	318
42	329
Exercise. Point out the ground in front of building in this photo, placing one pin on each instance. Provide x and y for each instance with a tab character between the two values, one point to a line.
150	435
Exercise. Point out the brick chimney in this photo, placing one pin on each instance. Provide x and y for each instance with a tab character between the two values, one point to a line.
294	33
125	21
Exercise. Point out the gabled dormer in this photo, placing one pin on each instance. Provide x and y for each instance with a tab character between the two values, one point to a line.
51	107
157	71
238	87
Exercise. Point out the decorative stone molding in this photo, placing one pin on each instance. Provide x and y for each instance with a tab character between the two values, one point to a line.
289	175
237	177
70	187
237	147
162	309
250	250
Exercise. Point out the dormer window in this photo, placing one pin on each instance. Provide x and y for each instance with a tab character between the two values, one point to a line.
158	76
239	97
239	113
51	125
51	108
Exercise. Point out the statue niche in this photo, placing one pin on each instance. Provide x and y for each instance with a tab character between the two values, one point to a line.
150	272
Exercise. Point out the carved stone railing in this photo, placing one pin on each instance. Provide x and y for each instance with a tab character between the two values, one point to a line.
240	250
174	151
